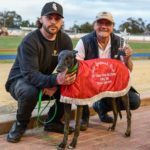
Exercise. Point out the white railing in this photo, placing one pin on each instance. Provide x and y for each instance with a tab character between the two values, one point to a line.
131	37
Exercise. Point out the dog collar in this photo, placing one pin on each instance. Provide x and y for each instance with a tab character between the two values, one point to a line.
74	68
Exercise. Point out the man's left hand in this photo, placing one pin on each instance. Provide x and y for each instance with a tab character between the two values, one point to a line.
128	51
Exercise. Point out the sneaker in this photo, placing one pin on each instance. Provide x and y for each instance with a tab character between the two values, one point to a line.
84	123
16	132
106	118
57	127
103	116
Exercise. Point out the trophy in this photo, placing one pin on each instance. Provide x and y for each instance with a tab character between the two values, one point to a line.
123	43
124	38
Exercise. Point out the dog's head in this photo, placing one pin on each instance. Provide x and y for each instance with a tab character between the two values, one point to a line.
66	60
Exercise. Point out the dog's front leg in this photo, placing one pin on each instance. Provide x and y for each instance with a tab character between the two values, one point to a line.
115	112
77	127
125	100
63	144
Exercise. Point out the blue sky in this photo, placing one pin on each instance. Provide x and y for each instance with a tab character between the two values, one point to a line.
80	11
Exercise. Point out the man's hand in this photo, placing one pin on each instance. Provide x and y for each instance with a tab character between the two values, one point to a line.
128	51
49	91
66	79
128	59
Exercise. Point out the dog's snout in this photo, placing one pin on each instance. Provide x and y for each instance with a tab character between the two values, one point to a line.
60	68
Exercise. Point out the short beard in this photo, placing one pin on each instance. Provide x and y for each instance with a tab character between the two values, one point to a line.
102	35
48	31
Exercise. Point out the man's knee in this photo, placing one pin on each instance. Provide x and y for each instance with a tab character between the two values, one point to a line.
26	92
103	105
135	100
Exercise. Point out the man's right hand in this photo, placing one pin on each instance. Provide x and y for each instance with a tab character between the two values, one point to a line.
66	79
49	91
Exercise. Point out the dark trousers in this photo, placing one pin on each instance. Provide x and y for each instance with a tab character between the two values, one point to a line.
104	105
27	97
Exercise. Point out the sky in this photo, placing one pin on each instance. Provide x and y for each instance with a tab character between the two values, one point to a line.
81	11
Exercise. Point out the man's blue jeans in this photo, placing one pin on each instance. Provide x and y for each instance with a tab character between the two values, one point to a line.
105	104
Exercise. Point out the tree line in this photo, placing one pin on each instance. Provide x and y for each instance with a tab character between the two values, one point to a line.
131	25
11	19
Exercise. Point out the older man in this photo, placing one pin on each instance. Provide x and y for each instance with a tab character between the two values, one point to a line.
103	43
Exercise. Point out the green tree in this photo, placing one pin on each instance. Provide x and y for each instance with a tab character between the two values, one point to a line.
32	24
148	27
86	27
75	28
25	23
133	26
10	19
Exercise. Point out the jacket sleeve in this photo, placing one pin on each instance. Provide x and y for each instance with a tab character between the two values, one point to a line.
80	49
29	66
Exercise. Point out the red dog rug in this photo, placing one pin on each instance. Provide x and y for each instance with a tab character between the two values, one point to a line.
96	79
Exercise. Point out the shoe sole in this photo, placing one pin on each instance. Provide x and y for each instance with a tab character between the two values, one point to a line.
83	128
12	140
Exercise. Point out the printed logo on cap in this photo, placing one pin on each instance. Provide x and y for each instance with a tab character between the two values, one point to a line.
54	6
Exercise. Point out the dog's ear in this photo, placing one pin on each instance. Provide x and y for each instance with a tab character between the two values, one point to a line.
74	52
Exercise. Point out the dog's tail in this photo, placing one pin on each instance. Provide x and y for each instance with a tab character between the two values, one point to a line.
120	114
119	109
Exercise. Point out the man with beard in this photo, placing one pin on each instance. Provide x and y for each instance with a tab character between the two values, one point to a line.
32	71
103	43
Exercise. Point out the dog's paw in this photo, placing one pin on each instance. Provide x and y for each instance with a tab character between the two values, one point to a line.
111	128
61	146
72	145
127	134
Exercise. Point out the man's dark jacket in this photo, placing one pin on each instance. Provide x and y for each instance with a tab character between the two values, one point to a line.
91	45
36	61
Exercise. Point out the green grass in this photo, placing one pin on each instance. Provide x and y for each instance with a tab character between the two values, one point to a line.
12	42
140	47
7	61
8	53
74	41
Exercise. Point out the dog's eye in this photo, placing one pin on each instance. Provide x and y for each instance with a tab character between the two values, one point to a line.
66	61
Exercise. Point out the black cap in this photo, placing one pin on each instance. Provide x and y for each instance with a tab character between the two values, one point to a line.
52	8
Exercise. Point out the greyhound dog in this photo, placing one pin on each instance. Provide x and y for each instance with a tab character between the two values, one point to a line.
67	60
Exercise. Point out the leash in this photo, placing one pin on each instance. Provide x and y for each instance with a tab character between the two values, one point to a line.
74	68
40	112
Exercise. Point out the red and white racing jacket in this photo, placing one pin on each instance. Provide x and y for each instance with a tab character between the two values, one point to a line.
96	79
